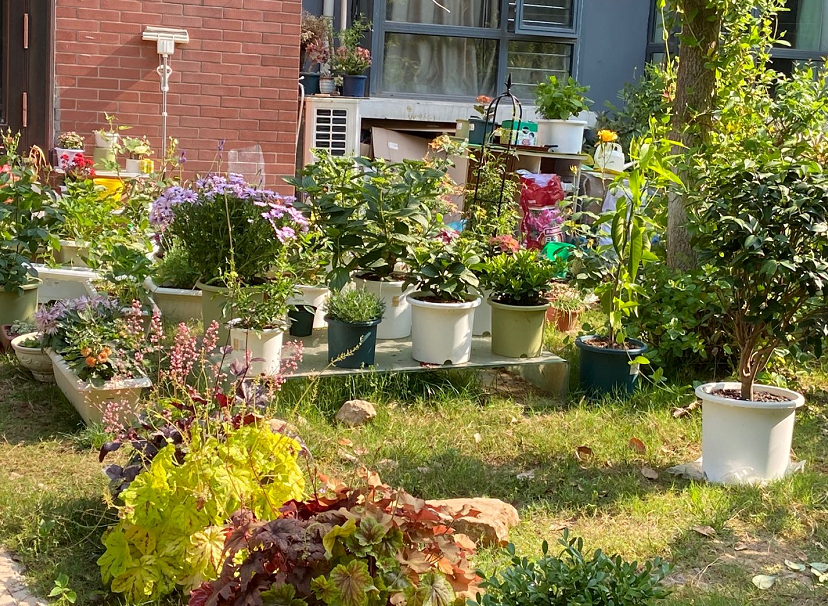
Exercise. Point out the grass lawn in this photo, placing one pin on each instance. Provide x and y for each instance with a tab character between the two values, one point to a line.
449	434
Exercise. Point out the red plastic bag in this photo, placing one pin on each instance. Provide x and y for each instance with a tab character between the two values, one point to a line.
540	190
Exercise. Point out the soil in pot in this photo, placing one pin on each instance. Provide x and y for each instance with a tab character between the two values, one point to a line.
351	345
605	367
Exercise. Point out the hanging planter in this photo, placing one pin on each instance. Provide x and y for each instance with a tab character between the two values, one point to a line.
441	333
396	323
34	358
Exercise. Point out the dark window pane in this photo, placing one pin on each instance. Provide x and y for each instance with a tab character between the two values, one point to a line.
462	13
547	13
805	25
532	62
439	65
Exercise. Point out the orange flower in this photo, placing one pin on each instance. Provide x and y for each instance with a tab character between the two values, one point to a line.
103	357
107	350
607	136
85	352
91	361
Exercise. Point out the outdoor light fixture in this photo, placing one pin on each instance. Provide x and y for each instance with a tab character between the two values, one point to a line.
166	38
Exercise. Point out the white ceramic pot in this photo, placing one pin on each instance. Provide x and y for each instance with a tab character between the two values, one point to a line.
132	166
441	333
34	359
64	282
265	347
92	401
70	154
176	304
746	442
396	323
567	136
483	316
71	253
105	139
314	296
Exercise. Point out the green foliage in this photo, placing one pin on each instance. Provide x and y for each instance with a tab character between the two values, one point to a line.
123	269
70	140
169	534
355	306
90	214
521	278
310	259
494	188
261	307
446	269
574	578
174	269
560	100
62	593
137	147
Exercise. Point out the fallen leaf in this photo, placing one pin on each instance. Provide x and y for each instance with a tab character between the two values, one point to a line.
637	445
345	442
558	527
478	438
820	566
707	531
740	547
583	452
347	456
360	451
795	566
526	475
649	473
764	581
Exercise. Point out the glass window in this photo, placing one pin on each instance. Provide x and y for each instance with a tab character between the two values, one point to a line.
547	14
439	65
805	25
460	13
533	62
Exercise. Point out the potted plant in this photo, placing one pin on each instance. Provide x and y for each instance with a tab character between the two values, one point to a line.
560	102
10	331
106	142
350	60
610	361
353	316
218	218
482	125
309	268
28	348
96	355
443	307
28	214
518	282
172	285
138	148
761	229
566	305
68	146
314	35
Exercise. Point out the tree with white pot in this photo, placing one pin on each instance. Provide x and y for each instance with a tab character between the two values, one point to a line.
560	102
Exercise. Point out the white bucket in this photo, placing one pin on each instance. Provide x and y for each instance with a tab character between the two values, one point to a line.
483	316
746	442
396	323
264	344
567	136
441	333
314	296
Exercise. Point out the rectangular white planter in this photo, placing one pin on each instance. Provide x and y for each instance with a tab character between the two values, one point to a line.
176	304
91	401
64	283
70	253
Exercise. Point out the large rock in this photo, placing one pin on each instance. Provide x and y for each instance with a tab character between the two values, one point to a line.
356	412
486	521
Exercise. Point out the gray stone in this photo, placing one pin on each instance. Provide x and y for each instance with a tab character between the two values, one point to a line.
356	412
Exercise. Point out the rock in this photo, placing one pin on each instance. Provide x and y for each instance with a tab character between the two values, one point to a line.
356	412
485	521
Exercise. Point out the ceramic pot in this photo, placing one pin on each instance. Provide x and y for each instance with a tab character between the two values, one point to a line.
441	333
35	359
517	330
351	345
396	324
19	306
265	347
327	85
176	304
564	321
607	371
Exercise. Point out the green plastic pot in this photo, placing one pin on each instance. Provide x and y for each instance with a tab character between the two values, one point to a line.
215	306
351	345
608	371
517	330
16	306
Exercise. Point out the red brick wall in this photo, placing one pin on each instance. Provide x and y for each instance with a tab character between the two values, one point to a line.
236	79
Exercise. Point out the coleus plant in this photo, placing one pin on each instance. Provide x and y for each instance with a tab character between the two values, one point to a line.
345	547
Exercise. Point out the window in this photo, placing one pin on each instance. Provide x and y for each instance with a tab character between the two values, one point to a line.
465	48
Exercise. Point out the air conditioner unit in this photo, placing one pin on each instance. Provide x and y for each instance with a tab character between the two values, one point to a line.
332	124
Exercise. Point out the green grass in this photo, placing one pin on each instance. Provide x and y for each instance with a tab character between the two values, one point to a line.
424	439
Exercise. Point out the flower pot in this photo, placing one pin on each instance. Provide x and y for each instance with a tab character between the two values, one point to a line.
441	333
312	296
102	156
176	304
565	136
71	253
133	165
351	345
327	85
215	306
479	130
301	321
92	401
564	321
104	139
396	324
19	306
35	359
65	283
354	86
746	442
265	347
604	370
517	330
483	316
70	154
6	337
310	80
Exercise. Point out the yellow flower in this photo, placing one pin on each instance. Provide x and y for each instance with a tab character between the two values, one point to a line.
607	136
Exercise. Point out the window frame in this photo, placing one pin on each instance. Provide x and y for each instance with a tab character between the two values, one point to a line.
535	30
501	35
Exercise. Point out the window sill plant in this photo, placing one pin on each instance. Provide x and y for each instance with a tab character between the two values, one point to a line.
29	351
559	101
353	316
138	150
350	60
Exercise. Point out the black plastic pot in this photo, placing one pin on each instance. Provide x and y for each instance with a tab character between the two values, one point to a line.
351	345
608	371
310	80
353	86
301	320
480	130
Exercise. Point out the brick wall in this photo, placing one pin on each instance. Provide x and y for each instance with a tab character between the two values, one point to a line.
236	80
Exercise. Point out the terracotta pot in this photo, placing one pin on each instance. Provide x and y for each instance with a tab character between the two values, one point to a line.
565	321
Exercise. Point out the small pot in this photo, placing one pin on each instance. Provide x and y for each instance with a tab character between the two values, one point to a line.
133	165
351	345
312	296
14	306
396	324
35	359
70	154
265	347
104	139
354	86
606	371
327	85
214	306
441	333
517	330
564	321
480	130
310	80
301	321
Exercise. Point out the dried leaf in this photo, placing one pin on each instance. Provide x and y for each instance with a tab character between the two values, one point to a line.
347	456
637	445
583	452
798	567
649	473
820	566
345	442
360	451
764	581
478	438
707	531
740	547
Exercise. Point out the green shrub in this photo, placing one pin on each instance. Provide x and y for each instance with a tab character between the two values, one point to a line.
355	306
521	278
560	100
174	269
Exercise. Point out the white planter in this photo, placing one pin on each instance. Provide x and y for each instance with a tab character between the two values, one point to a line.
263	344
91	401
63	163
132	166
70	253
327	85
105	139
483	316
746	442
566	135
396	323
34	358
176	304
314	296
64	283
441	333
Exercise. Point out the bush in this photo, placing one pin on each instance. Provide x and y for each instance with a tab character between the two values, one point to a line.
355	306
174	269
521	278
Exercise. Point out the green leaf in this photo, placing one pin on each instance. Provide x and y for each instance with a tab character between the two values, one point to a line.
795	566
764	581
370	532
353	582
344	531
434	590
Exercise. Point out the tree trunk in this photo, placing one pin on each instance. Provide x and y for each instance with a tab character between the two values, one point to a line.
695	92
